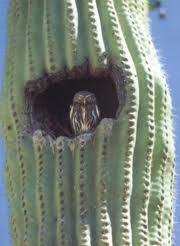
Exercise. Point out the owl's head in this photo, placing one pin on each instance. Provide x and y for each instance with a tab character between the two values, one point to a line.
84	98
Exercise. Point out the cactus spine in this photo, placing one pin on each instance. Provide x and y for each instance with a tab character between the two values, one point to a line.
113	186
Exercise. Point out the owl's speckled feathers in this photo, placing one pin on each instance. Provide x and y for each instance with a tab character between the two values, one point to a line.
84	112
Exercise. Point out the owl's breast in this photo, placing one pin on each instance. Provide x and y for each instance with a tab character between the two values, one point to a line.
85	119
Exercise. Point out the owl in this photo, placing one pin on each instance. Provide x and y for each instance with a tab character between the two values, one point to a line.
84	112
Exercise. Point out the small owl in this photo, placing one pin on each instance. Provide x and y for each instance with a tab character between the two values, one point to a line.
84	112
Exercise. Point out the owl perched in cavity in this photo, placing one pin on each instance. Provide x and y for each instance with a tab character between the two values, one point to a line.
84	112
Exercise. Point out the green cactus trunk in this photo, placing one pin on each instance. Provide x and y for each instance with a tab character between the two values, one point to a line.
113	186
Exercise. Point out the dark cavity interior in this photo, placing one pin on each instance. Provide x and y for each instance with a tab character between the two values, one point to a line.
49	107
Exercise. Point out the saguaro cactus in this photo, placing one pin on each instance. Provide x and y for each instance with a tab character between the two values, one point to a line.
111	186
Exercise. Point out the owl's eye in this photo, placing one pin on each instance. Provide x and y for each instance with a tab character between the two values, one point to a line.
75	103
89	100
88	103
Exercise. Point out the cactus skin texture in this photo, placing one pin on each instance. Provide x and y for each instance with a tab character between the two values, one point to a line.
113	186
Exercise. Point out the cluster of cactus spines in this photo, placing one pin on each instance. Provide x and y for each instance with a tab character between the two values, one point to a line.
110	187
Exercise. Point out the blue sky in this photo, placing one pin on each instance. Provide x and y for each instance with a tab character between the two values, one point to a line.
166	36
